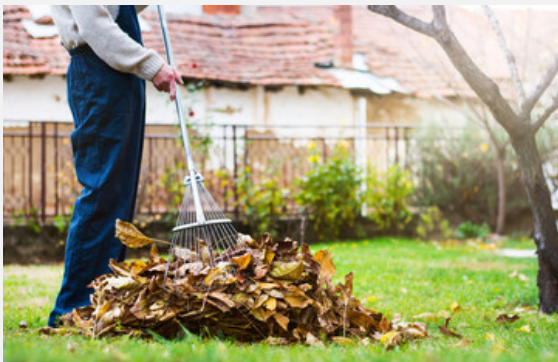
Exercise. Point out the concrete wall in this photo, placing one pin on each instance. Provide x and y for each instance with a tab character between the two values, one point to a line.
44	99
36	99
398	108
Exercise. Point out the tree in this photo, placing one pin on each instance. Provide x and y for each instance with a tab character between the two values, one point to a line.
520	124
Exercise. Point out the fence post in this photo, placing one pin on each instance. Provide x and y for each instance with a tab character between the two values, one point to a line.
224	166
245	148
235	174
56	175
361	148
151	174
30	168
324	149
406	143
387	148
396	145
43	172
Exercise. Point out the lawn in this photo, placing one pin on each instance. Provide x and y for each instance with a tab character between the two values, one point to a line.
470	282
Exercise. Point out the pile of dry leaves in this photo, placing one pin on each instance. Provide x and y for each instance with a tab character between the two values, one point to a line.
277	292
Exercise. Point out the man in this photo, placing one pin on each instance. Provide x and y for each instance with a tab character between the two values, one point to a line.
106	93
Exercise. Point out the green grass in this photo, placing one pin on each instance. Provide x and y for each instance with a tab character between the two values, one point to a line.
394	276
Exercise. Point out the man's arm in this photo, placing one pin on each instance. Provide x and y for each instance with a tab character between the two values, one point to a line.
121	52
112	44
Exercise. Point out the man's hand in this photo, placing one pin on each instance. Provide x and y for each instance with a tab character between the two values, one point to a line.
165	80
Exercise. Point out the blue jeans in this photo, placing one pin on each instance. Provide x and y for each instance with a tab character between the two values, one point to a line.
108	108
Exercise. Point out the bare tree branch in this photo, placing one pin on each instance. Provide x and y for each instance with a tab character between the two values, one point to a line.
546	114
439	22
520	92
540	89
485	88
394	13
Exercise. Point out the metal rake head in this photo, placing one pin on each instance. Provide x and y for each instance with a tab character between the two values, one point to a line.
203	236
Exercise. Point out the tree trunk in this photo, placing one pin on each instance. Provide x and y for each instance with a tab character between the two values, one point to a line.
500	164
545	232
548	287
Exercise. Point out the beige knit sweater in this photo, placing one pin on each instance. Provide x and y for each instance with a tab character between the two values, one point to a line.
95	25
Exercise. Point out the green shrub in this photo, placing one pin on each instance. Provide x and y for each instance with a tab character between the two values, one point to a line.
173	183
455	171
469	230
328	193
262	203
387	197
432	225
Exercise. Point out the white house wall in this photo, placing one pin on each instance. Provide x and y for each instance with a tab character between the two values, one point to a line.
35	99
44	99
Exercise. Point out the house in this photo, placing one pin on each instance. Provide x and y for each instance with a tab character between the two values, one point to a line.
268	67
276	72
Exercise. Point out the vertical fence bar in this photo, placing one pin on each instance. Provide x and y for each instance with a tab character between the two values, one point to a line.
56	175
22	173
361	147
406	144
224	166
151	176
13	167
396	145
30	168
235	174
245	147
324	148
387	148
43	172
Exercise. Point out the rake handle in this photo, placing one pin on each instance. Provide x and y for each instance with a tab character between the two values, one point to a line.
183	129
180	113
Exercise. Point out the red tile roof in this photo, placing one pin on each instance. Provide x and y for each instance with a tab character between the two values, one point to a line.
19	56
280	45
25	55
254	49
420	65
272	50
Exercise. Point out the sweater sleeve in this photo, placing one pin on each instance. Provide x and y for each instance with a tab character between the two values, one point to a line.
112	44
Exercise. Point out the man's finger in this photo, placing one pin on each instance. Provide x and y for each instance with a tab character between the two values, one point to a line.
178	77
172	91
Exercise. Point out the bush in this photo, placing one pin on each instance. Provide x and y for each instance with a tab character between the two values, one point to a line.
262	203
173	182
431	224
469	230
456	172
387	198
328	193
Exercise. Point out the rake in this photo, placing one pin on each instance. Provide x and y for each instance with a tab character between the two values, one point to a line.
203	235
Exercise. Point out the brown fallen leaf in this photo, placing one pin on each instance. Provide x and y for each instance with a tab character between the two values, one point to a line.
391	339
52	331
507	318
464	342
132	237
426	316
287	270
455	307
242	261
323	257
313	341
448	332
23	324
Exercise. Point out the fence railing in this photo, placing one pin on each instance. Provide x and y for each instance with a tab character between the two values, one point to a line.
39	178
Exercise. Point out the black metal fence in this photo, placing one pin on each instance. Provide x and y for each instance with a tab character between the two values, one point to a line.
39	178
